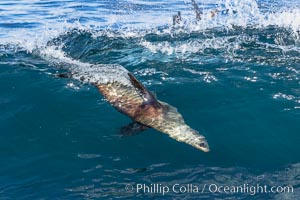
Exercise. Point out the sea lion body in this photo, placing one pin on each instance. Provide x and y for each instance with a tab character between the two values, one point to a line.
124	92
148	111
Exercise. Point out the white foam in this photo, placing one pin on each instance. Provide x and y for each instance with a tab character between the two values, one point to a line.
128	19
283	96
55	22
206	76
86	72
288	97
131	22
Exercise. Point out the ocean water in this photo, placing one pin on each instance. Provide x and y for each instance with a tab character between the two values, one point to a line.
234	77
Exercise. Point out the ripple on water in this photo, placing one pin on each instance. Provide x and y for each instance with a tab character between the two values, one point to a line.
88	156
113	185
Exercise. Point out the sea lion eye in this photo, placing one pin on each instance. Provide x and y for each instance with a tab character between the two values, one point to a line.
202	145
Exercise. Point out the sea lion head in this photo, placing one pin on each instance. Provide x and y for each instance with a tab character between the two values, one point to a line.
190	136
172	123
199	141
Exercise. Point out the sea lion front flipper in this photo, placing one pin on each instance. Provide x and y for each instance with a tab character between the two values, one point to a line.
133	128
63	75
148	97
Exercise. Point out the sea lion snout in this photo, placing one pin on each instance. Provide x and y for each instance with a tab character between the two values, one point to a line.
189	136
199	142
203	145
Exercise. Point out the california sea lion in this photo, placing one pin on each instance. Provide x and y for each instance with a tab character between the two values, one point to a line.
124	92
198	12
177	18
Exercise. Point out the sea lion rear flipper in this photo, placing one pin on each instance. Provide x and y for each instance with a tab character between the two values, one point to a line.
148	97
133	128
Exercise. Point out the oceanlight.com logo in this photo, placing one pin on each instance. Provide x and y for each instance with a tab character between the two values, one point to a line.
163	189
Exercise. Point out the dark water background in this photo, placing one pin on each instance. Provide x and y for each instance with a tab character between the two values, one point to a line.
235	78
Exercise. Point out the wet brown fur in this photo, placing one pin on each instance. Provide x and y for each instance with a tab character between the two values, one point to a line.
140	105
129	102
